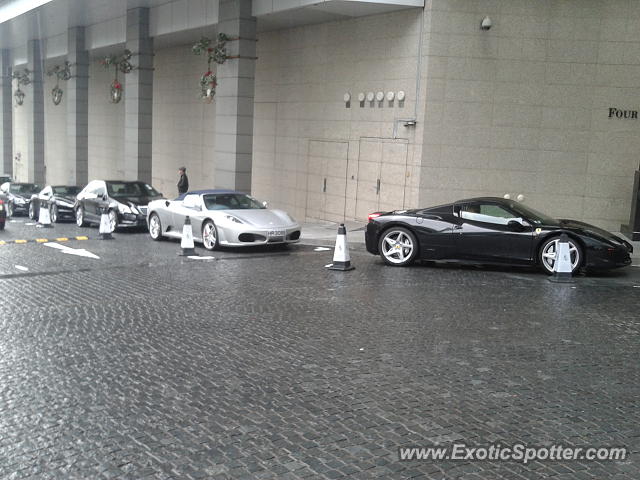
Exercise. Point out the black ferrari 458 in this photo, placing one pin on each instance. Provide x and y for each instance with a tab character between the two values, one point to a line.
490	231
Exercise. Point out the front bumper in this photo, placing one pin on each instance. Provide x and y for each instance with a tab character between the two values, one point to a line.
21	208
245	236
605	259
132	220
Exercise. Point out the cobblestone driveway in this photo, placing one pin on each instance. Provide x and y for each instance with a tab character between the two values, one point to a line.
262	364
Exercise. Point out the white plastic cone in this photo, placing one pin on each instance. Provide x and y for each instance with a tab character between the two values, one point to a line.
105	226
562	268
186	244
341	257
43	217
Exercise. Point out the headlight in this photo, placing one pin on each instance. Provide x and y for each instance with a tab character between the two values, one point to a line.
62	203
123	208
19	200
293	220
231	218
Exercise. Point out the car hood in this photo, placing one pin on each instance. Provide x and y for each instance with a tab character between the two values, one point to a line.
263	218
588	229
66	198
135	200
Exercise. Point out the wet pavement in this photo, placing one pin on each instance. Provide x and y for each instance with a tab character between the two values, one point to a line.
263	364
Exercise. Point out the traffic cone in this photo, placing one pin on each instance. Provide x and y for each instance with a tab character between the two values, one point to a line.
105	225
186	244
341	258
44	220
562	268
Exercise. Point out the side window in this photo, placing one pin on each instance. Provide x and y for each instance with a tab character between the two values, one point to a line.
191	201
46	192
100	189
486	213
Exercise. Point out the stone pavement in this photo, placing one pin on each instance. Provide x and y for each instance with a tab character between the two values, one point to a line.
262	364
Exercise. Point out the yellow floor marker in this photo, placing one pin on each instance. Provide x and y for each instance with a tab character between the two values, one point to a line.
82	238
20	241
41	240
62	239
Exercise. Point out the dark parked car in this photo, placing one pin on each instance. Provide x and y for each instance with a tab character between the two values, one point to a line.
60	200
3	210
125	200
490	230
18	197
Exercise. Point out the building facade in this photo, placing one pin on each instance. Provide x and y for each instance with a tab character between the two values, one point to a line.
336	109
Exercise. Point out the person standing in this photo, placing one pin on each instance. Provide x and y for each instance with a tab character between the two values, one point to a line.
183	183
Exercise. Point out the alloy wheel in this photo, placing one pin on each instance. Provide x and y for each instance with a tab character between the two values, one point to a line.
80	217
550	255
154	226
397	247
209	238
113	220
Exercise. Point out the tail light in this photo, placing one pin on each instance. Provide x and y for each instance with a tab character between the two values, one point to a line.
373	215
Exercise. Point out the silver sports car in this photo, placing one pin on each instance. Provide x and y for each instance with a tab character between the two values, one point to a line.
221	218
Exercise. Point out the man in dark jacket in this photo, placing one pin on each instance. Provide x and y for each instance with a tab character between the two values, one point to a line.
183	183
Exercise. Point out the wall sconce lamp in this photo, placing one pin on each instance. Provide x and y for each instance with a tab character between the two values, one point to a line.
22	76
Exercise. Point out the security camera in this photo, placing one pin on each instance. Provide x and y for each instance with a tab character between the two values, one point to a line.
486	24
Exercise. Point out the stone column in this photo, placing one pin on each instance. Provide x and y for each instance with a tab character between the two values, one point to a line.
34	101
138	97
77	92
234	97
6	117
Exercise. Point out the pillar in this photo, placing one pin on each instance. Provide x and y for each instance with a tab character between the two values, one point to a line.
77	92
6	117
138	97
34	101
234	97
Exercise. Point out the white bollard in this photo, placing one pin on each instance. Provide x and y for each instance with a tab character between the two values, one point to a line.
44	219
341	257
187	247
563	267
105	225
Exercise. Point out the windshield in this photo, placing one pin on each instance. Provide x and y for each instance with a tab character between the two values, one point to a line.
131	189
532	215
24	188
65	190
230	201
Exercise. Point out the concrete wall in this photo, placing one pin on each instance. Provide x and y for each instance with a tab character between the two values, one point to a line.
58	169
303	132
183	125
106	126
523	108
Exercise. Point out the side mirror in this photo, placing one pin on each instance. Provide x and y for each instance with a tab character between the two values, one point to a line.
167	203
515	226
265	204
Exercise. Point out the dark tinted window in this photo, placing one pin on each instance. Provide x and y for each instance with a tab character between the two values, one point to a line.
24	188
131	189
231	201
66	190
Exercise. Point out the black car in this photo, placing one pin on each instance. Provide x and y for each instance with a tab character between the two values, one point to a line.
18	197
3	210
60	200
126	202
487	231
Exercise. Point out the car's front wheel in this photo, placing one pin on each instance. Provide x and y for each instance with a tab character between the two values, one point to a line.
155	227
32	211
9	209
53	213
398	246
113	220
80	217
548	255
209	235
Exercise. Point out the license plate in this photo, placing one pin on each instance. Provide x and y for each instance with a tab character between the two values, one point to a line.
276	233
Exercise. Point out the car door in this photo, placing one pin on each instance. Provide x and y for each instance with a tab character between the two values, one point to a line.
190	206
435	231
92	200
487	231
